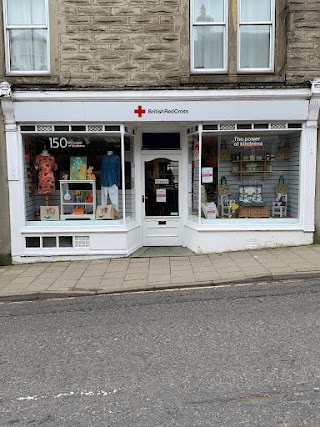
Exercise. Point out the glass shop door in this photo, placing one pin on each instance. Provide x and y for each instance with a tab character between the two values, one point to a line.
161	200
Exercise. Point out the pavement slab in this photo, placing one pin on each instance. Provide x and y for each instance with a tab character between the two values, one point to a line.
111	283
157	271
200	277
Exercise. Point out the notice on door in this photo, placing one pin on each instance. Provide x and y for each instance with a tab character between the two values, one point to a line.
161	181
207	175
161	195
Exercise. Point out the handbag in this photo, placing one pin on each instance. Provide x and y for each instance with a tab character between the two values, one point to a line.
281	187
224	153
282	151
224	189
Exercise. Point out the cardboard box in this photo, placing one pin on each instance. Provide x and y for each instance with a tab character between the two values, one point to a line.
107	212
49	213
209	210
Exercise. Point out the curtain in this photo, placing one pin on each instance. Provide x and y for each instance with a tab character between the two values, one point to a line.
28	50
254	46
255	11
209	47
26	12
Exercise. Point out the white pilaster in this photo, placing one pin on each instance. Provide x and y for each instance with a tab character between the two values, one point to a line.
308	168
11	139
308	174
15	169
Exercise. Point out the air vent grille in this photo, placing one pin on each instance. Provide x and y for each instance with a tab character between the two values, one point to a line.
81	242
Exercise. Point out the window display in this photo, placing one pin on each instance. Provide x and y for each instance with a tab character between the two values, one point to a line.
45	164
77	174
81	203
193	175
110	178
241	174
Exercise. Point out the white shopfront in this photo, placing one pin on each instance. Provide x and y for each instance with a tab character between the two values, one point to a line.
213	171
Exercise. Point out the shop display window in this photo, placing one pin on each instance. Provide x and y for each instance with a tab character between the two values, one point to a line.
72	177
193	175
244	175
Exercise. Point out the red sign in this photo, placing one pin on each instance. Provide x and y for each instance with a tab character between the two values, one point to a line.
140	111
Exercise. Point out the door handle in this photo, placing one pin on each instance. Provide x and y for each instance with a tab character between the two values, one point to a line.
144	198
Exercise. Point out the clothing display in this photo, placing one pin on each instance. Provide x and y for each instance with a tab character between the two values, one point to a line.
113	195
110	170
110	178
45	164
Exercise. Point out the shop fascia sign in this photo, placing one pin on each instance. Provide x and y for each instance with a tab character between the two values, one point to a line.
140	111
247	141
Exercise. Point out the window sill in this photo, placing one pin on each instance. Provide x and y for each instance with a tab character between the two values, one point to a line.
28	73
244	224
241	78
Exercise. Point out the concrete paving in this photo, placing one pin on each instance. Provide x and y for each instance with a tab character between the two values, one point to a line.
155	268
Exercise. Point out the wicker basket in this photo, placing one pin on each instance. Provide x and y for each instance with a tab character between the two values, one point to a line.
254	212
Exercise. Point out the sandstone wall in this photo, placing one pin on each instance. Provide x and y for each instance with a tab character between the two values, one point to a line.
303	40
145	43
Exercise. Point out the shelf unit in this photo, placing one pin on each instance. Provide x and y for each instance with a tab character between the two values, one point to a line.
243	168
68	202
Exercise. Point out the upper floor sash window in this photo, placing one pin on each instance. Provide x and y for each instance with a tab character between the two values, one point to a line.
27	36
209	45
221	33
255	35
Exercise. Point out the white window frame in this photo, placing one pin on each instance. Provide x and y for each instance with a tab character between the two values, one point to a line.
193	24
7	28
271	24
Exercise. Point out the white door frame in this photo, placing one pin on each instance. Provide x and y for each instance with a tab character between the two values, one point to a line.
164	230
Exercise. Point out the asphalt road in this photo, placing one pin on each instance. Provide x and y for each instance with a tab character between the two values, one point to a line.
233	356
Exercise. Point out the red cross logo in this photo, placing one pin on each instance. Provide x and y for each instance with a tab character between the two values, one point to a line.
139	111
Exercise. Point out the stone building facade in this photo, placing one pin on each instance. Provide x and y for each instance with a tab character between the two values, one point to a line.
123	44
120	46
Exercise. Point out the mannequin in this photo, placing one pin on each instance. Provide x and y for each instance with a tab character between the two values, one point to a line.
110	178
45	164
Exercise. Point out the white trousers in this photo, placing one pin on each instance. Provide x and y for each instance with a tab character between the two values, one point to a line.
113	195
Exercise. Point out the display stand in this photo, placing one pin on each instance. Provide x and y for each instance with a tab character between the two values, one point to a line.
73	207
251	164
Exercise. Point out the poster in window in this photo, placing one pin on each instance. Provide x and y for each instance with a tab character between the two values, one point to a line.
78	168
207	175
161	195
